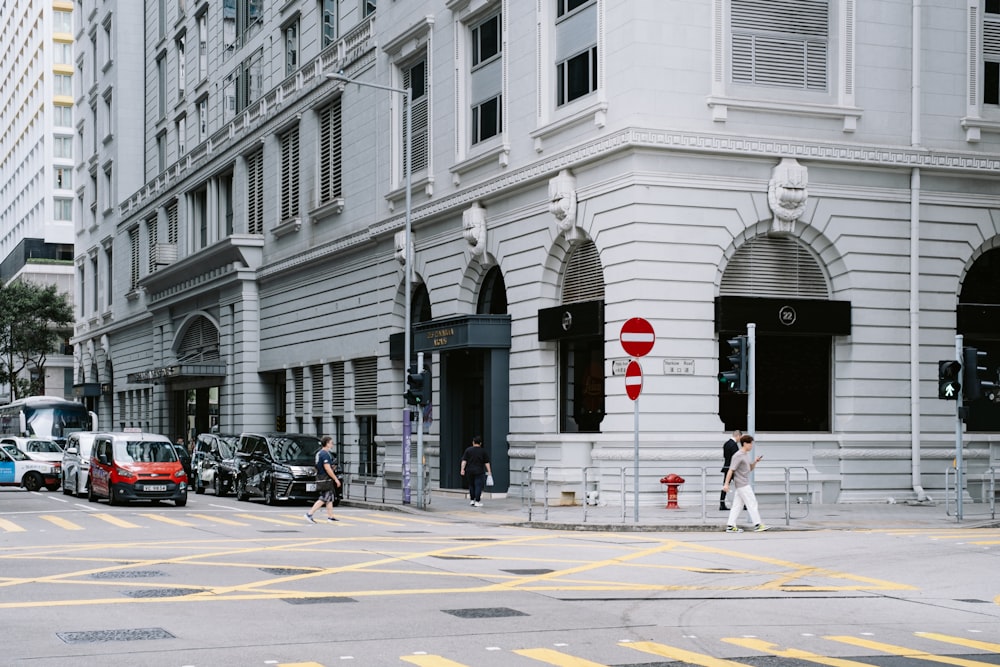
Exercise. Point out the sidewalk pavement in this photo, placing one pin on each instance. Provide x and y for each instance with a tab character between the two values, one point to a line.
512	510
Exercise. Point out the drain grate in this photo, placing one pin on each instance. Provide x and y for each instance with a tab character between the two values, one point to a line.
162	592
327	599
484	612
528	572
974	601
469	557
128	574
126	635
285	571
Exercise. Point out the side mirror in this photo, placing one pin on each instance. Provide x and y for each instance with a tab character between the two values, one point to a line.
71	450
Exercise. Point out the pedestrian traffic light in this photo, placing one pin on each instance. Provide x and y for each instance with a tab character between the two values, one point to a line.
974	370
415	387
425	387
949	371
736	379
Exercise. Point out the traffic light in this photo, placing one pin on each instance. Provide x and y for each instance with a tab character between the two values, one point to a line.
973	370
736	379
418	385
949	371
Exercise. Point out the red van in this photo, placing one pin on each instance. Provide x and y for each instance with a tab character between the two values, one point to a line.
135	466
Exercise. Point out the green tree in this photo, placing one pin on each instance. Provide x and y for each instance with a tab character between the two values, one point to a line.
33	321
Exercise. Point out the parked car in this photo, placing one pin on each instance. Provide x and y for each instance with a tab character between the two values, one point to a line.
214	463
130	466
76	462
276	467
185	458
18	469
39	449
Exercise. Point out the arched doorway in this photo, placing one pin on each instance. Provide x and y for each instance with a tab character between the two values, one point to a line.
978	320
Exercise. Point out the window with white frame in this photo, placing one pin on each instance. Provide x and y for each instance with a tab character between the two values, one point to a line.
991	53
367	7
415	79
109	269
255	192
64	177
783	43
330	154
181	65
62	147
63	85
290	174
203	45
243	86
161	152
576	49
95	292
291	34
62	53
62	21
63	209
486	79
62	115
203	119
180	130
109	184
328	23
161	84
133	244
108	43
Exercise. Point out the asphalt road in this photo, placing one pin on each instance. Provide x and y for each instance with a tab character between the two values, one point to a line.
221	582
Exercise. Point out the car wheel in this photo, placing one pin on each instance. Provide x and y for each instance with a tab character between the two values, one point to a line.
32	481
241	489
65	487
78	488
269	496
182	501
91	497
112	496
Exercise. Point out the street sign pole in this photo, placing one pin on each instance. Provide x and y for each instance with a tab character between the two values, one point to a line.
635	477
637	338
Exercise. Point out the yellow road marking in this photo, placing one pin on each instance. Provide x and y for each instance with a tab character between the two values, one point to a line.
61	522
257	517
961	641
219	519
299	664
550	657
430	661
167	519
112	519
665	651
768	647
10	526
905	652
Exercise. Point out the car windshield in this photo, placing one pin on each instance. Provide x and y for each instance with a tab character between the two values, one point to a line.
227	446
43	446
295	450
15	453
144	451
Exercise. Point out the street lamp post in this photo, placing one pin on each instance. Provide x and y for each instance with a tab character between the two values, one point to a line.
408	296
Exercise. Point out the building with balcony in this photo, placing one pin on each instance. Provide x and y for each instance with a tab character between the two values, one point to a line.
820	175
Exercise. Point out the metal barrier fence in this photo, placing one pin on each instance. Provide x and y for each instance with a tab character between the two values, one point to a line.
800	487
949	489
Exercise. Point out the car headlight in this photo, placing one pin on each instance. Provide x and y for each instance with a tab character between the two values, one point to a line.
122	472
180	473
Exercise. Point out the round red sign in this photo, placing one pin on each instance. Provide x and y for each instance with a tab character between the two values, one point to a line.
637	337
633	379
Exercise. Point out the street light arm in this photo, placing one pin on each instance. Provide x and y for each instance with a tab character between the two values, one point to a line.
340	77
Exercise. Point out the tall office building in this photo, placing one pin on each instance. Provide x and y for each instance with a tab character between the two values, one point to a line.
36	157
818	175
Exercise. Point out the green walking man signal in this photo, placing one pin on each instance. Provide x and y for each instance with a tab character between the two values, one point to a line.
418	391
949	372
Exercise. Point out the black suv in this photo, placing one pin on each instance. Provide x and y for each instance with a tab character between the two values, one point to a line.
214	463
276	466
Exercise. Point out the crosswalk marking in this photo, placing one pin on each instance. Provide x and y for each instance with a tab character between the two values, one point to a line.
166	519
675	653
115	521
258	517
550	657
61	522
10	526
430	661
905	652
798	654
961	641
218	519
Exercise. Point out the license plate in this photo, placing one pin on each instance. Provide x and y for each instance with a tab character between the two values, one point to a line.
155	487
310	486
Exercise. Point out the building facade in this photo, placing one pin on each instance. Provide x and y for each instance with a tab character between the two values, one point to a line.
37	159
824	171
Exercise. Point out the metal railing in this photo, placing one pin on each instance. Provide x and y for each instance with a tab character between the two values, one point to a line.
950	488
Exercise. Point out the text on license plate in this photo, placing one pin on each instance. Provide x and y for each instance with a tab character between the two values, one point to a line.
310	486
154	487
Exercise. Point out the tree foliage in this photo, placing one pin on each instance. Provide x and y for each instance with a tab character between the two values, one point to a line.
33	320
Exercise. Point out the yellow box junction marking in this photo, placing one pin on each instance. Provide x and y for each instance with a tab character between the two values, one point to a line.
768	647
10	526
961	641
430	661
675	653
550	657
905	652
61	522
115	521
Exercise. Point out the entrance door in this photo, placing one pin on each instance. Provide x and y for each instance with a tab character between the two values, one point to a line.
462	411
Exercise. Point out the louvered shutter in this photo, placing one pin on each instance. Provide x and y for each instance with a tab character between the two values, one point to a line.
337	388
991	37
133	239
200	341
290	174
366	386
774	266
415	79
255	192
330	154
584	277
172	223
316	372
151	226
780	43
298	391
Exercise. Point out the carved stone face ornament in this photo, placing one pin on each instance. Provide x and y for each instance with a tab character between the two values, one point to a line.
562	202
474	228
787	194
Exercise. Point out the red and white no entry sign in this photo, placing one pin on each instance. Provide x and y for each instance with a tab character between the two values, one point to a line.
633	379
637	337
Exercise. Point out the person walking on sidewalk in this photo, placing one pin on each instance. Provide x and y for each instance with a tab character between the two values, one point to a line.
475	468
740	467
729	448
326	480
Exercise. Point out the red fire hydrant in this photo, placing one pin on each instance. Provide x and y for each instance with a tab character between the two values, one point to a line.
673	482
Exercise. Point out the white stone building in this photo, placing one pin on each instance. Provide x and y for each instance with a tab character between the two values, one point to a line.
823	169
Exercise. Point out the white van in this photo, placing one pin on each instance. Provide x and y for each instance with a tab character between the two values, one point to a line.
76	462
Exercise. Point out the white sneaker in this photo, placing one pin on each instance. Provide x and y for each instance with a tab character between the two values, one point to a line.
478	504
472	503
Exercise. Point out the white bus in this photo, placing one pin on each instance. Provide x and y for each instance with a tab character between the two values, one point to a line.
46	417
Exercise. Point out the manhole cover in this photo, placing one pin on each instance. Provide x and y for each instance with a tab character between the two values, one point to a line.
484	612
128	574
162	592
528	572
126	635
318	600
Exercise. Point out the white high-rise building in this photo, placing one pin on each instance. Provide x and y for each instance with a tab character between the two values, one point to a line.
818	175
37	149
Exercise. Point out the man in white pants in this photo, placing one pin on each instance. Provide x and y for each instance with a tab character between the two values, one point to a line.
739	472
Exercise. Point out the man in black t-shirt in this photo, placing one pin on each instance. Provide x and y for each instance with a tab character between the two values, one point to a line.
475	468
326	480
